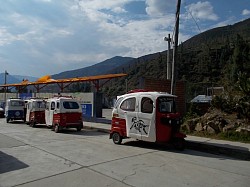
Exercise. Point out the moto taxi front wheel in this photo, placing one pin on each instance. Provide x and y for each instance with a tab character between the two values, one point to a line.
116	137
32	124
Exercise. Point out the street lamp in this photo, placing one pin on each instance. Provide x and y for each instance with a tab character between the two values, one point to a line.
5	81
169	68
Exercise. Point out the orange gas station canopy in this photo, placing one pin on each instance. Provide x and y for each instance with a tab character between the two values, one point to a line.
45	80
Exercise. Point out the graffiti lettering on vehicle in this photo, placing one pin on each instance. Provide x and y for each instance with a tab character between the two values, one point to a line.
139	125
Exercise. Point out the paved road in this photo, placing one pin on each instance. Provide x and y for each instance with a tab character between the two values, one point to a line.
39	157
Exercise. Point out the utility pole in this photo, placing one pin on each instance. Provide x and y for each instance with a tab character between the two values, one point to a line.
175	47
169	67
5	81
126	82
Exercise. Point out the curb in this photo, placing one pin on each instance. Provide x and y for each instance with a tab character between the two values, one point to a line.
98	129
218	150
203	147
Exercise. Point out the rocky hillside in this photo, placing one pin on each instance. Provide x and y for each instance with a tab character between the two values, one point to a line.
217	122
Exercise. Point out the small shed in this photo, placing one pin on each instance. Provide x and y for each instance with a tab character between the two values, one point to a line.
202	102
202	99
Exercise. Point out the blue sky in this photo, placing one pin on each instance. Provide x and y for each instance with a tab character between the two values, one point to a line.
40	37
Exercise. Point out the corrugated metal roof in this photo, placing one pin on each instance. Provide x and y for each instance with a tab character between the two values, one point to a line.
201	99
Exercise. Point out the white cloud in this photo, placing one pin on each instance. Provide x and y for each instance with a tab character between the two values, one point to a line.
245	12
226	22
202	11
45	0
98	5
5	37
65	59
93	9
31	30
138	38
89	32
119	10
130	38
160	7
79	33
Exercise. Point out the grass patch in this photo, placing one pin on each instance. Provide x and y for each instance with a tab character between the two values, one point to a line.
229	136
235	136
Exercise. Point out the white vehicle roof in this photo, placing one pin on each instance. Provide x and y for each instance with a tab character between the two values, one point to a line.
36	99
63	98
153	94
15	99
10	101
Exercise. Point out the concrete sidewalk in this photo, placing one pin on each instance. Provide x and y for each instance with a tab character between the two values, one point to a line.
232	149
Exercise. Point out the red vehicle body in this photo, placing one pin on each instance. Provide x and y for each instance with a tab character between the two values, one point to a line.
63	112
147	116
35	111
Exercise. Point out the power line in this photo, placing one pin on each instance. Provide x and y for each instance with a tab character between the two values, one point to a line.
196	23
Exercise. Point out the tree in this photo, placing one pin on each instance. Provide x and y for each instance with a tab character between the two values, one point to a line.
244	102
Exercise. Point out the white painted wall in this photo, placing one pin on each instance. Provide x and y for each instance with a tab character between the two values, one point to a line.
83	98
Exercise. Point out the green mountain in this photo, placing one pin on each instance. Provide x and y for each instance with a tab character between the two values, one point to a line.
212	58
96	69
10	79
217	37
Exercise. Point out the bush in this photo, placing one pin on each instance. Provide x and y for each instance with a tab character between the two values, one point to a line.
193	111
243	108
225	102
243	105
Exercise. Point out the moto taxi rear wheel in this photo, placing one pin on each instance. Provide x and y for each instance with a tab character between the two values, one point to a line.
79	128
179	144
57	129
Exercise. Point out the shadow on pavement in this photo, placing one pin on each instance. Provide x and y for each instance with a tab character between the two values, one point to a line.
17	122
237	152
200	150
83	132
72	131
9	163
98	120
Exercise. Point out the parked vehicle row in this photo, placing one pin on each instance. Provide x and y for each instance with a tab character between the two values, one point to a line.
58	112
142	115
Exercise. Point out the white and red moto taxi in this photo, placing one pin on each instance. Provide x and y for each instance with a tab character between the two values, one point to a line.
147	116
35	111
63	112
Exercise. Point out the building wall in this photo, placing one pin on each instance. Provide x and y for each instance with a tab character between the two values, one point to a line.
83	98
165	86
8	95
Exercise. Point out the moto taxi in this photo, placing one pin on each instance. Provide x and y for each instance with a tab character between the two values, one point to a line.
63	112
147	116
14	109
35	111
